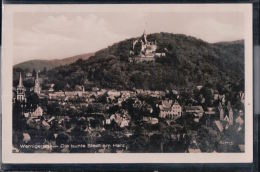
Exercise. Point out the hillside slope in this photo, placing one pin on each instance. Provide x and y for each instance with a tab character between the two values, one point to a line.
188	62
49	64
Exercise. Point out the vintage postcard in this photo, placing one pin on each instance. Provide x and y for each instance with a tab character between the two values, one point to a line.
147	83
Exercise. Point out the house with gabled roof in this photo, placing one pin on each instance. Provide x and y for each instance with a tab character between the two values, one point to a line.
170	109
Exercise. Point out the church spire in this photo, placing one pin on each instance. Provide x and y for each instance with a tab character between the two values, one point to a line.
37	76
20	90
37	87
20	81
36	81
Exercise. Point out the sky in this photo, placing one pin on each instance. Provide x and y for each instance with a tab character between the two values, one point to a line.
56	35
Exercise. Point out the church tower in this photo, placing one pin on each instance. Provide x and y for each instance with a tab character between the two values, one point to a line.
20	90
37	87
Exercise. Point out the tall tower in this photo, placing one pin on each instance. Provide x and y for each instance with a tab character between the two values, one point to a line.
37	87
20	90
144	37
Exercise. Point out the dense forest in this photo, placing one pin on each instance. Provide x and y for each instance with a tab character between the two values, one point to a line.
188	62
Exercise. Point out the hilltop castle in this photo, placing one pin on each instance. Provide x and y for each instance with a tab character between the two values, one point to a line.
144	50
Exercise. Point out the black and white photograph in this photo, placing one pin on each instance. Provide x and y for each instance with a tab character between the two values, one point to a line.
130	81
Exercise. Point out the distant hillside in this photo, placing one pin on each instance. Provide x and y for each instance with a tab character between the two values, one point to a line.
188	62
49	64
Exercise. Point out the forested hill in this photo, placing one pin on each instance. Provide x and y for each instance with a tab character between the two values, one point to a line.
188	62
49	64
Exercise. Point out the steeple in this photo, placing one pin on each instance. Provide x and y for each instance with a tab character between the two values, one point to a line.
37	87
20	90
37	76
20	81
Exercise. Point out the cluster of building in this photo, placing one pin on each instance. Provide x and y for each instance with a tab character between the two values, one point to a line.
221	117
170	109
21	90
144	50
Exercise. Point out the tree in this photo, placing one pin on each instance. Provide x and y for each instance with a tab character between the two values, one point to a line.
53	108
59	85
207	139
102	98
139	143
33	100
156	142
19	122
44	72
34	73
137	48
62	138
207	94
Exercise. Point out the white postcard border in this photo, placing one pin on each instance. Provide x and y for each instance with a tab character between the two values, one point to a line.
7	66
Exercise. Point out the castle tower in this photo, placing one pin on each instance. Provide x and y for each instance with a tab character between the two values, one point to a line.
144	37
20	90
37	87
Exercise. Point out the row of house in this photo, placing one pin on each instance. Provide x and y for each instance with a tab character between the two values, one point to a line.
172	109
